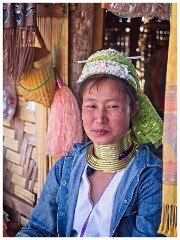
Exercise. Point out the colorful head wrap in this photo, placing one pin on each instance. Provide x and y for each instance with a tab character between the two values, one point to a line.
147	126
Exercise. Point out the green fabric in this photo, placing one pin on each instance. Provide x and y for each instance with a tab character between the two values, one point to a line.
146	124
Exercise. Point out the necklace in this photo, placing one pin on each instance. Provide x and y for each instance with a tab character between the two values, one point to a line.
112	157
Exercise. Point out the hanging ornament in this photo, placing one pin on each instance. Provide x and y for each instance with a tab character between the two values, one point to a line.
65	124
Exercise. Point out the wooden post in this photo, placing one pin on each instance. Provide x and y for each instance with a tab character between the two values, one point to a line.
80	40
98	27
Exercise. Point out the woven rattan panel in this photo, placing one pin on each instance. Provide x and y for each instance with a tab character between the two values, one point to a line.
20	165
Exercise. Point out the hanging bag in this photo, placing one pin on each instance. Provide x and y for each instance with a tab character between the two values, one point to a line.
39	84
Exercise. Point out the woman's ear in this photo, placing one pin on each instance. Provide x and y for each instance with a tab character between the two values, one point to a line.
134	109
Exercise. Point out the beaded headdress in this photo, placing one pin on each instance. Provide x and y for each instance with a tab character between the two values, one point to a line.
147	125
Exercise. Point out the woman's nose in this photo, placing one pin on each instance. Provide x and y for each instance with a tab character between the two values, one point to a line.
101	116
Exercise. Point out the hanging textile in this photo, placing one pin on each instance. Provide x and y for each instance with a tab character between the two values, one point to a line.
168	224
18	38
145	10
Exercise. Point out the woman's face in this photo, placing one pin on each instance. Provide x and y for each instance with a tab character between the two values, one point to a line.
105	112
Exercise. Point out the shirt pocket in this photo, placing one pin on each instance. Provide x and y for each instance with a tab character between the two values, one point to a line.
132	209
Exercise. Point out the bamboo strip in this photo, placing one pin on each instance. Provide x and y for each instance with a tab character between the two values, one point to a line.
24	149
29	171
45	164
55	159
33	177
23	198
30	128
33	155
22	104
8	132
59	63
32	139
7	183
36	40
17	204
49	157
64	52
23	221
25	115
50	162
40	24
5	165
35	187
48	32
15	168
10	143
54	35
13	156
7	124
19	131
20	192
27	160
18	180
23	193
41	121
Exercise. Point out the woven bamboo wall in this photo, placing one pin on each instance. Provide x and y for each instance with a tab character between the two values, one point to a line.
25	163
20	161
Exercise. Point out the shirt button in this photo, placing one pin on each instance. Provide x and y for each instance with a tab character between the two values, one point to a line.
61	213
125	201
64	183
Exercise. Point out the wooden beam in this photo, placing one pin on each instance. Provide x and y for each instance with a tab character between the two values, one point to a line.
50	9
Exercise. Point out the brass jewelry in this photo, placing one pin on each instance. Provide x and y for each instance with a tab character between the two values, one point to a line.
112	157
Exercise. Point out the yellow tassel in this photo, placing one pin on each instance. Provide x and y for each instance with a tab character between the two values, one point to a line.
175	232
168	225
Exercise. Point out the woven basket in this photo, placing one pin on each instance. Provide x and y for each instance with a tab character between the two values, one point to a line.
37	85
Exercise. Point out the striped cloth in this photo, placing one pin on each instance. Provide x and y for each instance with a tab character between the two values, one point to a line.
168	224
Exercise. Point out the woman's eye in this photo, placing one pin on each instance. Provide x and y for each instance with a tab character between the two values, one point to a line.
91	106
113	106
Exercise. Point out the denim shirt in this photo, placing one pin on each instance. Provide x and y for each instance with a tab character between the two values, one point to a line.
137	204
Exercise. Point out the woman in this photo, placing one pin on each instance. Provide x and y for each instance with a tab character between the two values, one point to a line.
112	185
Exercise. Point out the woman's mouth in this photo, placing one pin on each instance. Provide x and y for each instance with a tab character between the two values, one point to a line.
101	131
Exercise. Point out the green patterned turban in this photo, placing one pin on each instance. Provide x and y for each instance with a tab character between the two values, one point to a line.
147	125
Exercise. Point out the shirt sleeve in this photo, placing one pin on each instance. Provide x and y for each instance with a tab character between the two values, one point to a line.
149	205
43	222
